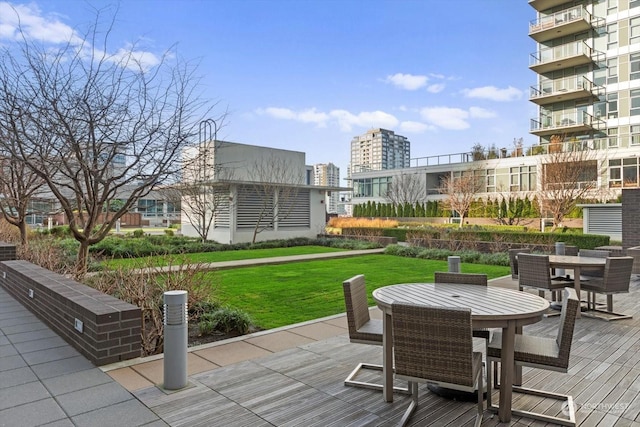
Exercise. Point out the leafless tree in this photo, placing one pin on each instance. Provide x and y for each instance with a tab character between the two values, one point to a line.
273	192
406	188
18	186
569	174
96	126
461	191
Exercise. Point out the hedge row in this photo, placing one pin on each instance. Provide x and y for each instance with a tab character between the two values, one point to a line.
584	241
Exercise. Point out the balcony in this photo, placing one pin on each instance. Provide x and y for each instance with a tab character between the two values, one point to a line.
566	123
559	24
541	5
567	89
567	55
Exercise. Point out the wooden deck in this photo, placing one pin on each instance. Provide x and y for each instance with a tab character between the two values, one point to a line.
303	386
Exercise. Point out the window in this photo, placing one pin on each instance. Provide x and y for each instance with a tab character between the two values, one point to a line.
634	3
630	172
612	135
612	36
612	6
634	30
615	173
635	134
635	102
612	105
612	70
634	59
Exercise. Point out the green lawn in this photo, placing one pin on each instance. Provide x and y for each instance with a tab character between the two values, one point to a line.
218	256
279	295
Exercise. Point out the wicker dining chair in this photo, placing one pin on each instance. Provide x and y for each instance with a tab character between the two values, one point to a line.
466	279
586	274
513	260
534	272
543	353
434	345
362	329
615	280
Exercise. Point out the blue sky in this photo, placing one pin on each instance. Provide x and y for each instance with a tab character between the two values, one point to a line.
308	75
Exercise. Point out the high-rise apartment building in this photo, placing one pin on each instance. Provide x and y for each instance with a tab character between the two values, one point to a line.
587	63
379	149
328	175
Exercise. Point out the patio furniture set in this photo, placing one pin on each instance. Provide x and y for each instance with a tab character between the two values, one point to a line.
427	329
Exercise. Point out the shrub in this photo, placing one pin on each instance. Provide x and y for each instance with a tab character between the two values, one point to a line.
226	320
169	232
138	233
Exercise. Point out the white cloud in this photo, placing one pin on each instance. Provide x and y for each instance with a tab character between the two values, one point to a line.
27	17
481	113
436	88
304	116
415	127
445	117
26	20
345	120
494	94
407	81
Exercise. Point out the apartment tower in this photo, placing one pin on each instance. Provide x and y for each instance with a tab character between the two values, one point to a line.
587	63
379	149
328	175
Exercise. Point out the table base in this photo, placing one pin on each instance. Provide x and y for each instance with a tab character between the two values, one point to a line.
458	395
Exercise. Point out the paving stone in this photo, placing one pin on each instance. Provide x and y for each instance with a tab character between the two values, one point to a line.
21	394
132	413
31	335
49	355
8	350
76	381
15	377
11	362
35	345
90	399
24	327
32	414
61	367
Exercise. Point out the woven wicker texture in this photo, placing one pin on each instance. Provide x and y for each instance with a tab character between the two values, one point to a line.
435	344
531	350
593	253
534	272
513	261
616	279
465	279
361	326
462	278
571	250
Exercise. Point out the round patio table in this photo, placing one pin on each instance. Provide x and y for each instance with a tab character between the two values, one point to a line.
576	263
490	308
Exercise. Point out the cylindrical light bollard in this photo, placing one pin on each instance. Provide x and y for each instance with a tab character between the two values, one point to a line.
559	251
454	264
175	339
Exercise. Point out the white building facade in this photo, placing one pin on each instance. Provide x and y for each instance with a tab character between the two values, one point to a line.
261	192
379	149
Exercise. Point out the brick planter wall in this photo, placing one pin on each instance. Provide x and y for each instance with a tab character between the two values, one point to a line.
110	327
630	218
7	251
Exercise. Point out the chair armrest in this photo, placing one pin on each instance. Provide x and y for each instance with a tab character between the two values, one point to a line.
635	253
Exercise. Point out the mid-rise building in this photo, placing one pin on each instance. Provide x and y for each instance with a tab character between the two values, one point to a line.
328	175
379	149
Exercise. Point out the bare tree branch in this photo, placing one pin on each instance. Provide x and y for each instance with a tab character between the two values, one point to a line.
461	191
94	125
406	188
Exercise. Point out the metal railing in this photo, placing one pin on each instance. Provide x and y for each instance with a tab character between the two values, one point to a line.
559	18
567	84
560	52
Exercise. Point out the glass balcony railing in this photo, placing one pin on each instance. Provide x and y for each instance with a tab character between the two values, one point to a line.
558	122
557	53
569	21
569	88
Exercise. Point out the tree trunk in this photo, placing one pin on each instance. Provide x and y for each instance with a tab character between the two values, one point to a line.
22	226
82	260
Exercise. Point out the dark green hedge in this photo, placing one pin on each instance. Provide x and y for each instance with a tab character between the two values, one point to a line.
584	241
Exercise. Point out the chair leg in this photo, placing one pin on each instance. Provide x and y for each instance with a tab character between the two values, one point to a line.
413	387
568	408
350	381
481	399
